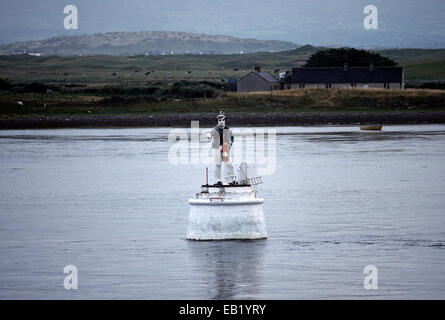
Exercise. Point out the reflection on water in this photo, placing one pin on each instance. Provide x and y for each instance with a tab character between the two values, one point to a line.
230	268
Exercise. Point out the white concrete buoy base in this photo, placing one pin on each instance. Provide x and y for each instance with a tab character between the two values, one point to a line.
226	213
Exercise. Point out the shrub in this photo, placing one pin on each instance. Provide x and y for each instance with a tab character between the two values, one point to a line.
189	92
4	85
35	87
354	58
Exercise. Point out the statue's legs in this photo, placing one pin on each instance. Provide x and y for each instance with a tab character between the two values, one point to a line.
228	169
217	164
228	166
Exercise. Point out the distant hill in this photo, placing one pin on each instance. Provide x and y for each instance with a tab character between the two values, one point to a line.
147	42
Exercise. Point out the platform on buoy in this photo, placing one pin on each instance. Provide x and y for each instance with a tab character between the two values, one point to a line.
227	212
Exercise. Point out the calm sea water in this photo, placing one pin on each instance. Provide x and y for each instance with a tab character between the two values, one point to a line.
109	202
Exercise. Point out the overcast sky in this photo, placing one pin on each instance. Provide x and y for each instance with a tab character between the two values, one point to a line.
402	23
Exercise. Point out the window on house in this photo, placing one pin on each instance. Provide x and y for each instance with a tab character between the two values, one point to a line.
328	85
302	85
386	85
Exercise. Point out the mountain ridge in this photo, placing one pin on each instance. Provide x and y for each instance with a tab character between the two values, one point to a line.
143	42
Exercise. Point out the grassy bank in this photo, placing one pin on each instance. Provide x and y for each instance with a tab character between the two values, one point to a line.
291	101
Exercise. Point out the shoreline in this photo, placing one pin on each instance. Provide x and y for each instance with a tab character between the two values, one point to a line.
208	119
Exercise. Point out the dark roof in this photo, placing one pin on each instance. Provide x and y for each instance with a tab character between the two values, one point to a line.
352	75
266	76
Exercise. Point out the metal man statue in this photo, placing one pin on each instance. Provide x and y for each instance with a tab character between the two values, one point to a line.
222	140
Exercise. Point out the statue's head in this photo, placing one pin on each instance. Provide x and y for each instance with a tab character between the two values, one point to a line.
221	118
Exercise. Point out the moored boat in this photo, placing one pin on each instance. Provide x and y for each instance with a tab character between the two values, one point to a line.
372	127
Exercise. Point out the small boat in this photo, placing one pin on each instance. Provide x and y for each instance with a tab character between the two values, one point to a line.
371	127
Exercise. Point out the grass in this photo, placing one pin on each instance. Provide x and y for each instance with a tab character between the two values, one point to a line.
418	63
430	70
300	101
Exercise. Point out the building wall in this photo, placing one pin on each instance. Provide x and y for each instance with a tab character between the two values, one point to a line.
253	82
380	85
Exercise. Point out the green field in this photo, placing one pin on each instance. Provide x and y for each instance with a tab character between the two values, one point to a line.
98	70
426	70
108	85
